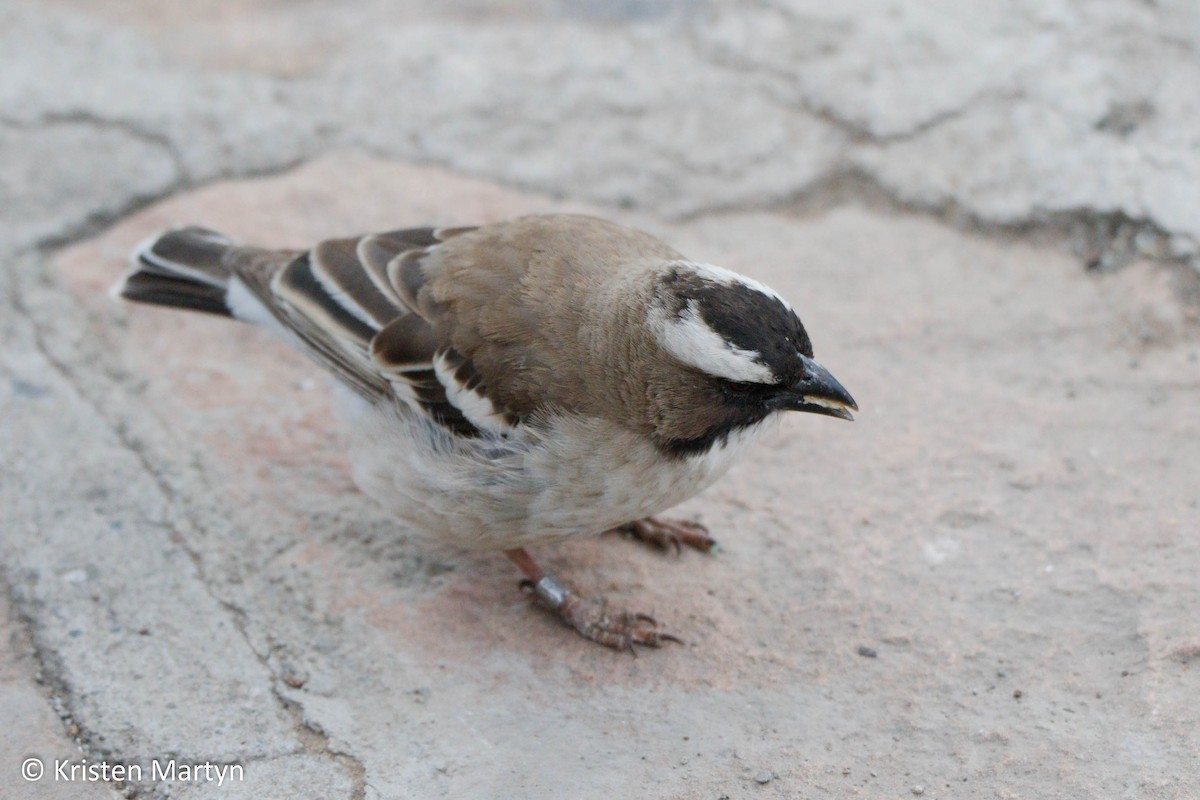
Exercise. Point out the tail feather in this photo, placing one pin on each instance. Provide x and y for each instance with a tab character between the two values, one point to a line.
181	268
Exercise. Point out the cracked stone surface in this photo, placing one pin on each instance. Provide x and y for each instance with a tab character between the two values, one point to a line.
1007	532
129	603
1002	113
32	728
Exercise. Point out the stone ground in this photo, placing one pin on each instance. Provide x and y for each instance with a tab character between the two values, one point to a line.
987	215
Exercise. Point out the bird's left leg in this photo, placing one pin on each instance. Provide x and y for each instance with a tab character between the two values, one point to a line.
670	533
620	630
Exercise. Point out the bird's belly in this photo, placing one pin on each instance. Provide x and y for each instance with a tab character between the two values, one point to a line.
576	476
613	476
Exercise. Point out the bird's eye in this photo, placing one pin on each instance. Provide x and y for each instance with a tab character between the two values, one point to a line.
744	390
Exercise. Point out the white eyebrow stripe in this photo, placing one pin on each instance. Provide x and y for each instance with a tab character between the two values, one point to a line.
728	277
690	340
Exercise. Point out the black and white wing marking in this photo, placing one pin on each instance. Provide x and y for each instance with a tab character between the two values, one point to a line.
335	297
352	304
427	371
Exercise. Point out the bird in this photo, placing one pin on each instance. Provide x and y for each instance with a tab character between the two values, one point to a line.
523	382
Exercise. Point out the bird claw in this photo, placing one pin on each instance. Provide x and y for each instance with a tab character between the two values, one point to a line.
667	534
620	630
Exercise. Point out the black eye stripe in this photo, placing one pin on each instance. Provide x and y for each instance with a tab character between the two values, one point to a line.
743	316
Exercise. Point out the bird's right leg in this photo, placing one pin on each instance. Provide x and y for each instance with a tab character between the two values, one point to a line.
667	534
620	630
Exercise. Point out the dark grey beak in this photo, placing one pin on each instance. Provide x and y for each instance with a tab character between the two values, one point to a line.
818	393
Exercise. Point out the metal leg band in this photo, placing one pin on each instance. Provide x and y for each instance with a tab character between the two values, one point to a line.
551	592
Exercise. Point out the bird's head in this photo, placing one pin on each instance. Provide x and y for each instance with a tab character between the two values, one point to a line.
744	344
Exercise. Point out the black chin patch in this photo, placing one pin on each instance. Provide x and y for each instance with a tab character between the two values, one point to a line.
718	434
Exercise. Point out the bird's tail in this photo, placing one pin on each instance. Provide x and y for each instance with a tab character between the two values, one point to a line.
181	268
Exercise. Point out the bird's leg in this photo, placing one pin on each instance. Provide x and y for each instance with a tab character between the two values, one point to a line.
620	630
670	533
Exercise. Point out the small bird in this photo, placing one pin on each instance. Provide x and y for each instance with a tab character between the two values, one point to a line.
521	382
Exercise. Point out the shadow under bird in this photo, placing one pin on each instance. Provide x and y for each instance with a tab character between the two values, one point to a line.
522	382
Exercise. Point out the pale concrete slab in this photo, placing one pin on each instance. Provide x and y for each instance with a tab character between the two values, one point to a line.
300	777
33	738
153	663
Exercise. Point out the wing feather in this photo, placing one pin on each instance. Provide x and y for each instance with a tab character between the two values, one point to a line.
406	277
407	343
335	299
337	266
299	287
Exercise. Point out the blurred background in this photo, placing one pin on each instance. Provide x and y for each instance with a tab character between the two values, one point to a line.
996	113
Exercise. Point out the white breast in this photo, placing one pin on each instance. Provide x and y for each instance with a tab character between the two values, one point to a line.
576	477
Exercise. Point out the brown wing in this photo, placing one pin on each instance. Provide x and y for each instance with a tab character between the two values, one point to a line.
336	300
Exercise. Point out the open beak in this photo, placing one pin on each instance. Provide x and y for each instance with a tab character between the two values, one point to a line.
819	393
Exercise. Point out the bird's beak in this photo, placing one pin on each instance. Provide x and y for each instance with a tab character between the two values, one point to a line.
819	393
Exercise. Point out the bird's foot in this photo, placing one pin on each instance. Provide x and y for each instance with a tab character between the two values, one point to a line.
592	619
667	534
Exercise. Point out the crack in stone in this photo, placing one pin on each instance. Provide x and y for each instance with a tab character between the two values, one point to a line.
48	660
90	119
131	129
101	217
49	668
104	216
856	133
313	740
1103	240
100	220
800	100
